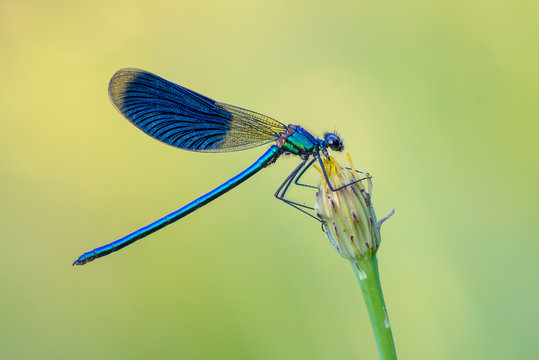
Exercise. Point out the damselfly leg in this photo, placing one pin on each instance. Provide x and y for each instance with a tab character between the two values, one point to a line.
282	190
302	172
298	172
332	188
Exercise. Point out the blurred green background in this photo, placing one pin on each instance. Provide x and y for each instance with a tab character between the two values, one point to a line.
438	100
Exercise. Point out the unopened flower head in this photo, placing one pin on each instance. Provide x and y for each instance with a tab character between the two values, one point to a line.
347	214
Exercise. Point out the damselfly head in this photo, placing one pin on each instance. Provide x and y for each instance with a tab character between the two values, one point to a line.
333	142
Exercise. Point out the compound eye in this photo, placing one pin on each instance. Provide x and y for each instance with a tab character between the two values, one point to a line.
333	142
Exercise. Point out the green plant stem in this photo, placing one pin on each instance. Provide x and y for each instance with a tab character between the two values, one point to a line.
366	271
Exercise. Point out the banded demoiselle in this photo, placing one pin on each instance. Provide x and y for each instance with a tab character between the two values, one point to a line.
187	120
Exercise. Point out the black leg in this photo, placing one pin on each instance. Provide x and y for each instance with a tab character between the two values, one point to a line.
300	174
281	191
331	187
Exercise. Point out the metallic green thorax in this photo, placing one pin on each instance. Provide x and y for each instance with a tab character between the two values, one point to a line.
298	142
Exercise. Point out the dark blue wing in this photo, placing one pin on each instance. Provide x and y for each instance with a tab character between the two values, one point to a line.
185	119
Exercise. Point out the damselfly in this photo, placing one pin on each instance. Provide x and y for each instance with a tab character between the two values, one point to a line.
187	120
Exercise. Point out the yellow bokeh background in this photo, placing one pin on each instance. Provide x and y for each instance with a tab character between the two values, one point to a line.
438	100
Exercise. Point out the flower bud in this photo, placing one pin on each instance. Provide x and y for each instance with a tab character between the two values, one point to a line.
347	215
